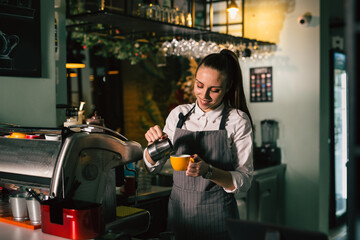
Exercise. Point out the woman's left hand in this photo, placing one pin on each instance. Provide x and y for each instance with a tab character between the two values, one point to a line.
197	167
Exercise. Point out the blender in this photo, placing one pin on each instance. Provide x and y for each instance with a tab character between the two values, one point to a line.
268	154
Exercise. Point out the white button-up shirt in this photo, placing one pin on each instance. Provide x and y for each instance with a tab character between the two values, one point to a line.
239	139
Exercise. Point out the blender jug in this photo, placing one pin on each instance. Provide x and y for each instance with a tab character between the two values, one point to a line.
269	133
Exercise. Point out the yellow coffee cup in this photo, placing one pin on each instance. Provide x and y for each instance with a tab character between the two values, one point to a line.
180	162
17	135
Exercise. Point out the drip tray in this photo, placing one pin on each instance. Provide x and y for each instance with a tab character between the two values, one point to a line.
130	221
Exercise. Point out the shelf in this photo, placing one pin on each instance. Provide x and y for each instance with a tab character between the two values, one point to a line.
132	25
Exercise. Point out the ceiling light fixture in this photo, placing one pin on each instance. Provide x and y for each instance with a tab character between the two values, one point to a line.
75	65
232	9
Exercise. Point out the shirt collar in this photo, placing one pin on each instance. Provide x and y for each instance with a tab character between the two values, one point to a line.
211	115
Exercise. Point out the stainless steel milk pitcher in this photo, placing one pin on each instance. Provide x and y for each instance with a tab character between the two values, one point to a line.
160	148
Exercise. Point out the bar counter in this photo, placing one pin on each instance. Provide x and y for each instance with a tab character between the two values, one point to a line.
12	232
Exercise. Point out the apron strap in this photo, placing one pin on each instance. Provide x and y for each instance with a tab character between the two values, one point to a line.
223	118
183	118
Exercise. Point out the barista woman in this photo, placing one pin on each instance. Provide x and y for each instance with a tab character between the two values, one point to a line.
217	131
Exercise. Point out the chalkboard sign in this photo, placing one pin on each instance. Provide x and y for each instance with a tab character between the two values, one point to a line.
20	46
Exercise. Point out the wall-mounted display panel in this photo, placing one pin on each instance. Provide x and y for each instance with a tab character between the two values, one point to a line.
261	87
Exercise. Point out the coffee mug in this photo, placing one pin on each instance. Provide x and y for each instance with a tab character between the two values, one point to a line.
180	162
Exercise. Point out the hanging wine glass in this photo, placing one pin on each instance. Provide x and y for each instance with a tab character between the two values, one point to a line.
273	49
240	50
213	47
202	48
246	53
187	49
174	47
181	47
166	48
249	51
265	51
194	48
232	47
261	52
254	51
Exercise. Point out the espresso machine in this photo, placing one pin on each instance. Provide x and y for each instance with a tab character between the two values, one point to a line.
75	170
268	154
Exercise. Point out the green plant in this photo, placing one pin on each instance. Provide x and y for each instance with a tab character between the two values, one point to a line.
119	47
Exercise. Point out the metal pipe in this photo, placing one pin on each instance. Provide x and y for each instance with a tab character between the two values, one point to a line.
211	11
193	13
227	18
242	18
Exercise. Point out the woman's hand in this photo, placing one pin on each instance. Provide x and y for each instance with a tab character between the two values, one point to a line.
196	167
199	167
154	133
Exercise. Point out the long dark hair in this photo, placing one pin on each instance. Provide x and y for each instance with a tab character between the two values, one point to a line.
227	63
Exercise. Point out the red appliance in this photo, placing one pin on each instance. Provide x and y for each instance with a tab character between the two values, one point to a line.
72	219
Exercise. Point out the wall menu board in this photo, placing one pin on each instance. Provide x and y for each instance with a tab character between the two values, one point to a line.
20	47
261	89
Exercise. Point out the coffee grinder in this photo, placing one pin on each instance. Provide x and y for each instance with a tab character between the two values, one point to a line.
268	154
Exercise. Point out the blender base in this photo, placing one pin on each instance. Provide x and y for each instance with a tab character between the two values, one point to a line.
266	157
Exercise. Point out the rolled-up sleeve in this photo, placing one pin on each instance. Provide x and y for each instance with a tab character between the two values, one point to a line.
156	168
242	150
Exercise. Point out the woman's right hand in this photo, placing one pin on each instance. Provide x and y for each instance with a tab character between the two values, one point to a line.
154	133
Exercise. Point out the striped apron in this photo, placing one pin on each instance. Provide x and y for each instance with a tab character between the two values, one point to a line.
198	207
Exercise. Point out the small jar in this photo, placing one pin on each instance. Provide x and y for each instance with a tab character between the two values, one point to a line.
71	121
95	120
